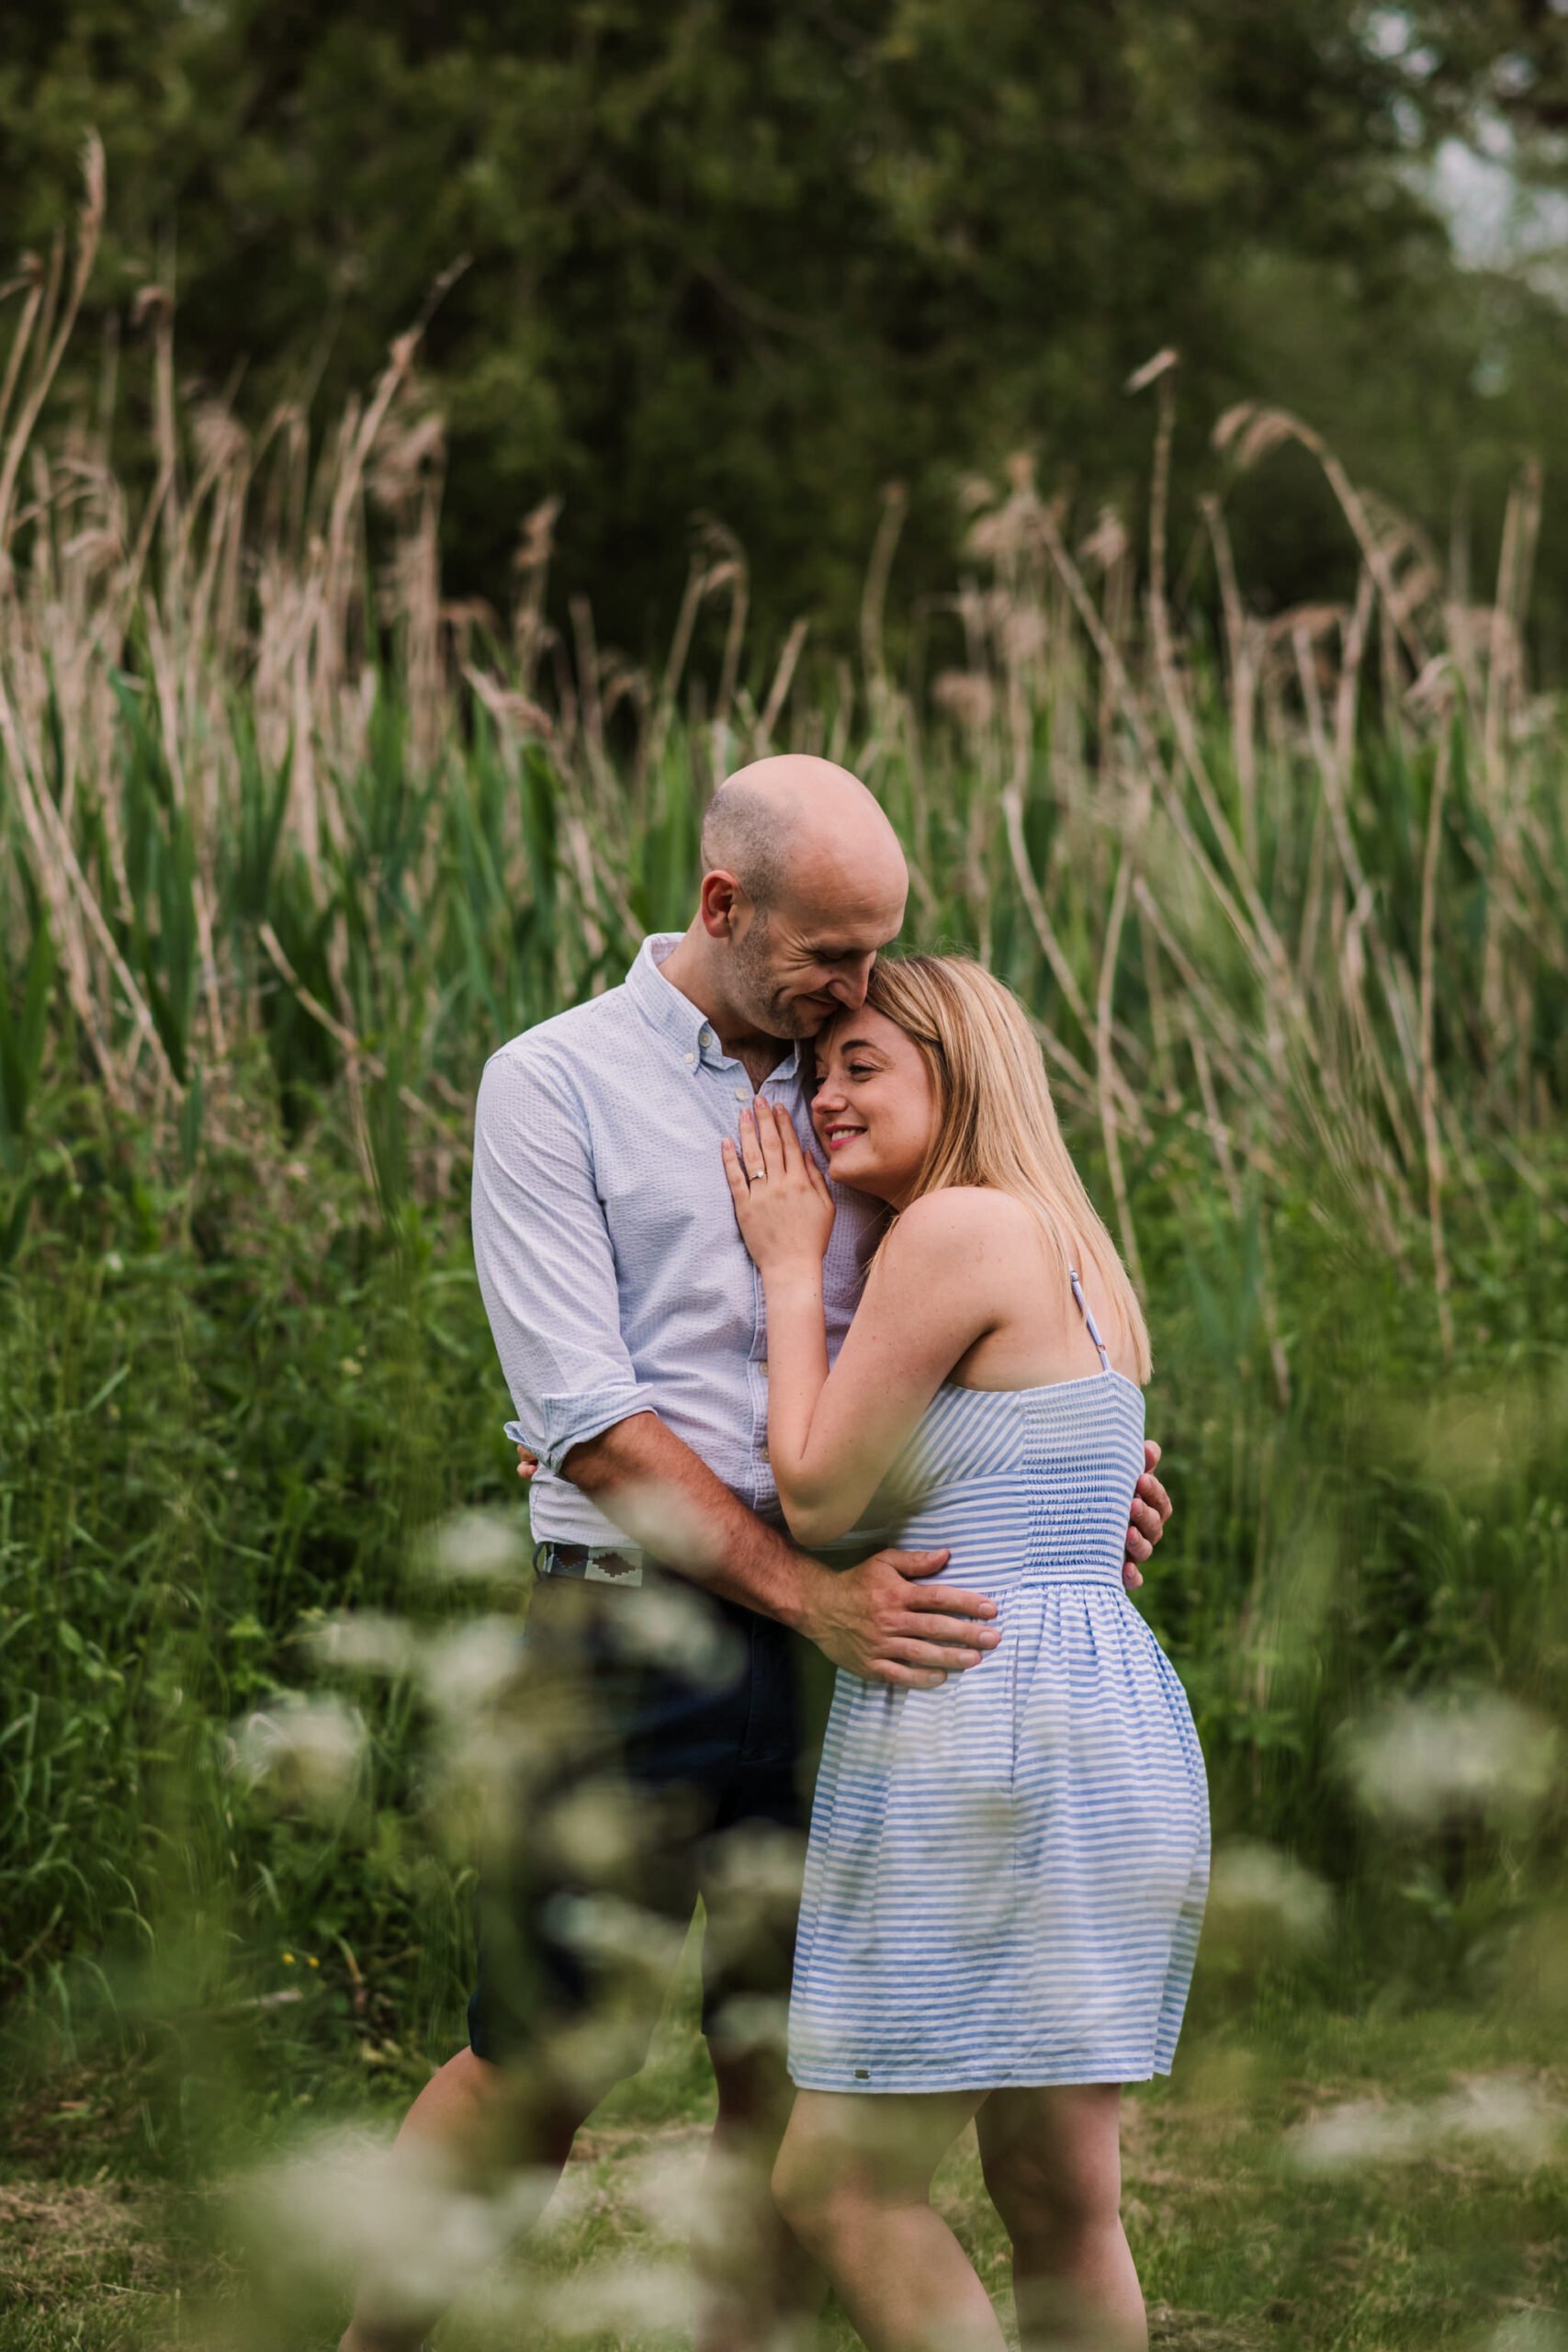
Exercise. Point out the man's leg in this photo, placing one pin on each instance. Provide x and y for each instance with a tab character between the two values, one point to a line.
591	1848
464	2128
758	2286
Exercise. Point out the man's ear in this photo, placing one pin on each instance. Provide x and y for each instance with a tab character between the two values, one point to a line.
721	902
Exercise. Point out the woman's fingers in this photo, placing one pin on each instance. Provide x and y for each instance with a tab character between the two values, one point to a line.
770	1151
732	1168
769	1155
755	1133
790	1153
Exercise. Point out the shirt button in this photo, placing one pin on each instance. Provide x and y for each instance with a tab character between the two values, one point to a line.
743	1094
691	1058
762	1367
707	1038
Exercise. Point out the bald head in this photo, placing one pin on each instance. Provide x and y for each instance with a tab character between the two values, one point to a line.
794	827
803	881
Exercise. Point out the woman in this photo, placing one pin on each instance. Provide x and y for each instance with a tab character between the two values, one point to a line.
1006	1874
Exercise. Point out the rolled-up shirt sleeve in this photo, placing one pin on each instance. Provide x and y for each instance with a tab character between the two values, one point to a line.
546	1265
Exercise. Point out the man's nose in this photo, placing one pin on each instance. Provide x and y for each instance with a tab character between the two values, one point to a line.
851	985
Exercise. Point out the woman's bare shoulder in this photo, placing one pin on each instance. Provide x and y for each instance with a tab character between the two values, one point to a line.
978	1217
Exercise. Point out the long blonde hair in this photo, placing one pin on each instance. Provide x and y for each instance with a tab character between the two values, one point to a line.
995	1122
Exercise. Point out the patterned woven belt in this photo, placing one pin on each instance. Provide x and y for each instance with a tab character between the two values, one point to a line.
592	1562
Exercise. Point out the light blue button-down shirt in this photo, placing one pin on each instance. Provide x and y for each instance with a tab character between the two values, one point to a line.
611	1265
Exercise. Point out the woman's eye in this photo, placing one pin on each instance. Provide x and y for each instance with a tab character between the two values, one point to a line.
861	1071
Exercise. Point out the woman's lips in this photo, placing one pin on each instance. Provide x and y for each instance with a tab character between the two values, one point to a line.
837	1143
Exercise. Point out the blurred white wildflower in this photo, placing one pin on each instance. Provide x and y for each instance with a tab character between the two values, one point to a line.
1512	2120
669	1626
365	1641
1258	1894
759	1871
1534	2331
492	1770
625	2298
348	2206
301	1751
596	1827
463	1670
674	2190
1427	1760
703	2200
607	1928
473	1545
591	2053
762	1865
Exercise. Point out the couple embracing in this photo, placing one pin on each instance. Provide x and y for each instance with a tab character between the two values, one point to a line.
787	1264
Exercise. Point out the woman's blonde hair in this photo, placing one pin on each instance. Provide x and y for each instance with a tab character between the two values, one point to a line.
995	1122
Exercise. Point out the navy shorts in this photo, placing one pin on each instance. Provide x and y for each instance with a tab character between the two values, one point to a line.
667	1743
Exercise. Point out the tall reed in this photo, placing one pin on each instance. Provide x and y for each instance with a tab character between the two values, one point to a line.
1294	883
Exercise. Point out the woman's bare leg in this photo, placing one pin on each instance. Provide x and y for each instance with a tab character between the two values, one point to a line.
854	2182
1053	2163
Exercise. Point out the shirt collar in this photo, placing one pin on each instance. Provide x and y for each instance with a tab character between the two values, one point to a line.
675	1015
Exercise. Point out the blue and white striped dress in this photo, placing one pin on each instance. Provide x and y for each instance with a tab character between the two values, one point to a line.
1006	1875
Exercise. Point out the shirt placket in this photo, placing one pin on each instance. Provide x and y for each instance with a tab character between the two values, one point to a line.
732	1075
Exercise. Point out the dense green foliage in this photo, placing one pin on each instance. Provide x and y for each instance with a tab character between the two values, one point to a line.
240	1372
756	261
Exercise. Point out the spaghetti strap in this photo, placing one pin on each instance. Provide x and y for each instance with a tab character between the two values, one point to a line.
1093	1327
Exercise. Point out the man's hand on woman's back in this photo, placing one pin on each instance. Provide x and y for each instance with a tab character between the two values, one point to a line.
880	1621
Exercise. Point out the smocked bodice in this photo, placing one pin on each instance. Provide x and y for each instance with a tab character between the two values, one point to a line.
1020	1484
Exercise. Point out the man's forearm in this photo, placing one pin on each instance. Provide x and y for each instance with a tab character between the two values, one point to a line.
668	1502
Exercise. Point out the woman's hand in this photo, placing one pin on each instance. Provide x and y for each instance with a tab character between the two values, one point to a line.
782	1201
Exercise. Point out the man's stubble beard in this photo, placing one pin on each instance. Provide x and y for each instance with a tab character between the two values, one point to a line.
765	1001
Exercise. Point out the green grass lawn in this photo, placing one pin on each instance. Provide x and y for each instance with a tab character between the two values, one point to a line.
1394	2177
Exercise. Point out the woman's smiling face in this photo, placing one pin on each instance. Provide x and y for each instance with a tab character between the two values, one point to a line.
873	1109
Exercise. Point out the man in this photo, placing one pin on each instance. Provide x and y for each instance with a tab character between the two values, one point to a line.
628	1322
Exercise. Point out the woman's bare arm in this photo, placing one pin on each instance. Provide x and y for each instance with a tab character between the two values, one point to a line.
936	1289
